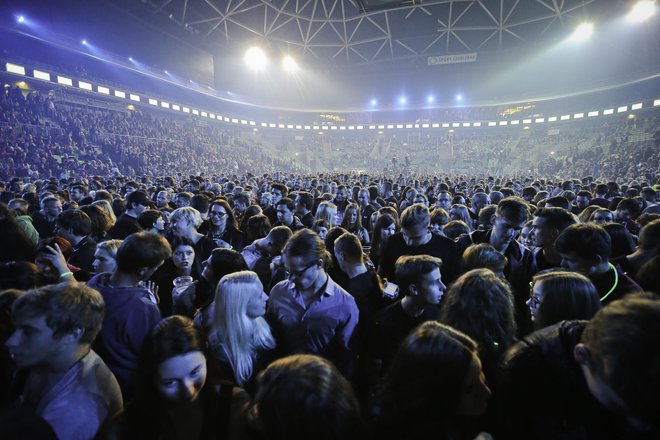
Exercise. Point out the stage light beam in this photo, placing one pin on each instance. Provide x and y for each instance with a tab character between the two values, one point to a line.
583	32
289	64
642	11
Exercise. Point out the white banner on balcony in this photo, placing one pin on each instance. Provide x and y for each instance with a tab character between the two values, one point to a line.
452	59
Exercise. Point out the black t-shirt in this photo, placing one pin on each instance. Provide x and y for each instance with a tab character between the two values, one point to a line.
440	247
390	327
368	297
125	226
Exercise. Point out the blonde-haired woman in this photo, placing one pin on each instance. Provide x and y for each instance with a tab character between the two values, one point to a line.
184	223
327	211
241	340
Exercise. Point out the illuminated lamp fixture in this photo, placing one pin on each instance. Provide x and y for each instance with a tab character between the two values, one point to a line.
642	11
583	32
255	58
289	64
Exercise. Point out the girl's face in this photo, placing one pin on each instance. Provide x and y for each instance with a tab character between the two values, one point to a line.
256	306
535	298
387	232
181	378
352	216
103	261
183	256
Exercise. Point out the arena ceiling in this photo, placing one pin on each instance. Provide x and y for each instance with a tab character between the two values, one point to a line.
355	32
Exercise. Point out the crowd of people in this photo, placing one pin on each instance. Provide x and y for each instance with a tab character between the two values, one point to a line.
40	136
331	306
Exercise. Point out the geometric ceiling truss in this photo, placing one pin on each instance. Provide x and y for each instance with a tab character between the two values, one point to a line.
336	32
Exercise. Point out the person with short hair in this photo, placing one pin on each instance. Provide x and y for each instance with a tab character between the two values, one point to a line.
127	223
588	380
586	249
309	312
420	288
131	312
483	256
415	238
285	209
44	219
304	203
360	282
547	224
602	216
67	384
151	220
75	226
648	248
184	223
266	252
105	256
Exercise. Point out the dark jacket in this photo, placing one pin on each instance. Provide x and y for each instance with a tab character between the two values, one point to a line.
542	393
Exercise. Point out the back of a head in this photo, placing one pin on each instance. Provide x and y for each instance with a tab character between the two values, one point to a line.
305	397
76	220
350	247
226	261
142	250
649	237
585	240
279	237
484	256
624	348
425	380
480	304
555	217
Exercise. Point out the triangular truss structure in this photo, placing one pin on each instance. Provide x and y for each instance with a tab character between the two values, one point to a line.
336	32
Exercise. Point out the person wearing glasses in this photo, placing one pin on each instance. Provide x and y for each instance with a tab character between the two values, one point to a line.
223	228
308	311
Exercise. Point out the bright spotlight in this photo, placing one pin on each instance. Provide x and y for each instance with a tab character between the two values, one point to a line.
374	102
255	58
289	64
21	19
166	72
583	32
430	99
84	42
459	97
130	59
402	100
641	11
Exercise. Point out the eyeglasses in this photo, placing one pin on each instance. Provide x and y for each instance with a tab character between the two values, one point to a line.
301	272
217	214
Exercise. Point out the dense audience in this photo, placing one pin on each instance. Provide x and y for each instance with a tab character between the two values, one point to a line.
140	299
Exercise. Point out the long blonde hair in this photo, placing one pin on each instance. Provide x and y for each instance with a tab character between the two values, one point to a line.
240	334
